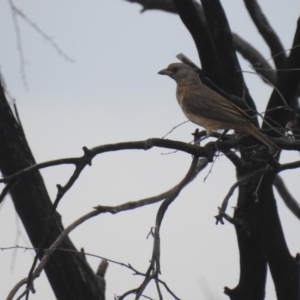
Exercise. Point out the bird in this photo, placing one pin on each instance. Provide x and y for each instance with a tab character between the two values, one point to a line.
207	108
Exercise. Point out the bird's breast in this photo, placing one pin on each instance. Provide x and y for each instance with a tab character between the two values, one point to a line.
197	119
179	97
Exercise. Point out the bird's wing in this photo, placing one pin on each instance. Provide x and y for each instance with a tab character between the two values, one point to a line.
204	102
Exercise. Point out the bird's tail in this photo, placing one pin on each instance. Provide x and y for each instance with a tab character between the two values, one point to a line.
254	131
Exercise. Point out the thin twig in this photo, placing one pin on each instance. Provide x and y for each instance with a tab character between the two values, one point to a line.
174	128
41	32
19	43
154	268
222	210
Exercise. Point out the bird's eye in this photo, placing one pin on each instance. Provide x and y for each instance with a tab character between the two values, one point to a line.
174	69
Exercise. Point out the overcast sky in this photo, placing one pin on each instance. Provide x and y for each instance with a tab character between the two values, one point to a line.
112	93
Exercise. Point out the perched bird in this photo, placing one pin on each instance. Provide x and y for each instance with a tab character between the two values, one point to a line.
207	108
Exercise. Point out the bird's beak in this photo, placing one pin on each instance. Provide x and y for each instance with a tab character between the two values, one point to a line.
165	72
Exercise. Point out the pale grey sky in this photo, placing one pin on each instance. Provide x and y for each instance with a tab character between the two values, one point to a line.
112	93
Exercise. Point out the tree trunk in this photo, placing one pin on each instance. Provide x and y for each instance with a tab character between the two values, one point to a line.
69	274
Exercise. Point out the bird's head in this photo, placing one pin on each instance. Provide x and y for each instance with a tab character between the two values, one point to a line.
180	72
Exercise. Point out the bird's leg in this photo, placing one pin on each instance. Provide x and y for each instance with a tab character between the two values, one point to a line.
220	139
199	136
222	135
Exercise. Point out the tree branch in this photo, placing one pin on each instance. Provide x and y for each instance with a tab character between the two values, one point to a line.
257	61
224	205
286	196
154	268
164	5
267	32
287	85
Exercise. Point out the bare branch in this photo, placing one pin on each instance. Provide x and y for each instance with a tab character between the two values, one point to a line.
164	5
100	210
267	32
170	131
288	85
222	209
75	251
19	43
154	267
289	166
49	252
258	62
16	288
286	196
49	39
100	275
102	268
15	11
286	106
91	153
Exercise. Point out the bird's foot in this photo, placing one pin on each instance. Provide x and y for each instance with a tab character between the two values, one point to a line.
199	136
